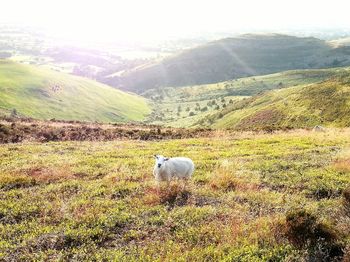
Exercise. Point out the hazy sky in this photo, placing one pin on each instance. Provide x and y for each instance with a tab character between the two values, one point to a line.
153	19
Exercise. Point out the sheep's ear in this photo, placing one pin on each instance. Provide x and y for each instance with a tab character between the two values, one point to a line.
155	156
166	159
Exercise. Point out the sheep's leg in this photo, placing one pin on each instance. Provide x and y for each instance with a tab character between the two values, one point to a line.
168	181
168	184
184	183
158	185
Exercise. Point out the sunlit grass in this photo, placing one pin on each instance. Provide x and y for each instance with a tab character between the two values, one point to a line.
98	200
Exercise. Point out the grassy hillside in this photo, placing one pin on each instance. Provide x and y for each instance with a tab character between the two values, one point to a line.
232	58
45	94
326	103
279	197
186	106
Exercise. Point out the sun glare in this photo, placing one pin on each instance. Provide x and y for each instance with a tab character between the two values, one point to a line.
161	19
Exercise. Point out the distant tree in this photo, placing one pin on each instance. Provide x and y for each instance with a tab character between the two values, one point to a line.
223	105
191	114
217	107
209	103
5	55
179	109
197	104
222	100
213	102
335	62
188	109
231	101
280	84
204	109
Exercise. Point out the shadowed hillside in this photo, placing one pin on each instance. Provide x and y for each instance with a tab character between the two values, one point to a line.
43	94
230	58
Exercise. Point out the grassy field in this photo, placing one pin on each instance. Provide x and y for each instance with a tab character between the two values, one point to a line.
45	94
173	106
253	197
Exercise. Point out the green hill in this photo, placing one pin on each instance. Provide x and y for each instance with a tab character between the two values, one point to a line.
185	106
326	103
45	94
231	58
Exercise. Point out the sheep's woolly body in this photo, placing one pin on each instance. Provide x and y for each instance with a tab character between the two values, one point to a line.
176	167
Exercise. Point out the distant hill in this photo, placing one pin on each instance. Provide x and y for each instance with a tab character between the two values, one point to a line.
341	42
231	58
46	94
326	103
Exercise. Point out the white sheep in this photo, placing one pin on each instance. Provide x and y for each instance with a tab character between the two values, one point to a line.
167	169
319	129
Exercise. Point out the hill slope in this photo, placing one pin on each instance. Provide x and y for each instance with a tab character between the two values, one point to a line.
231	58
326	103
185	106
45	94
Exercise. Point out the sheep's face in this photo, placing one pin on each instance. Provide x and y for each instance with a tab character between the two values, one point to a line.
160	160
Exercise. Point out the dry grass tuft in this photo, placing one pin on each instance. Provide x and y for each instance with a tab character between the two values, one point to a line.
15	181
49	175
342	165
223	181
346	257
224	178
174	195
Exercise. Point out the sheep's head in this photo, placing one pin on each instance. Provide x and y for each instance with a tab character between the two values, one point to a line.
160	160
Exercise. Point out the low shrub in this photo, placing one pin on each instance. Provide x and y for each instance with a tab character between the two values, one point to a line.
320	240
302	229
323	192
346	201
47	241
8	182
